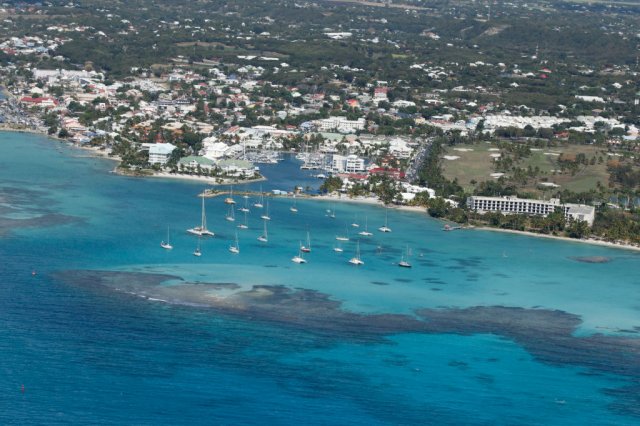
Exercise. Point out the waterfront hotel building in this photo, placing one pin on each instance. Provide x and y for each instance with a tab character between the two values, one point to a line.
509	205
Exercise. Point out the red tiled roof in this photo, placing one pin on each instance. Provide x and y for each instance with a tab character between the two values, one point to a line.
31	100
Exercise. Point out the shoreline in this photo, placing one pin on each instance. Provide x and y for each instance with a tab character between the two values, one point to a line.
95	151
99	153
6	128
590	241
370	201
374	201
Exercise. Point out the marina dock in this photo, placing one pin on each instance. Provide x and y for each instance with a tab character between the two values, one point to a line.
211	193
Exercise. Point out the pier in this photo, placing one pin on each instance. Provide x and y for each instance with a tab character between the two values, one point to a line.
211	193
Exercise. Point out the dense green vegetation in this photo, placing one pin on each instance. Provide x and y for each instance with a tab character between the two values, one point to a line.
158	32
612	224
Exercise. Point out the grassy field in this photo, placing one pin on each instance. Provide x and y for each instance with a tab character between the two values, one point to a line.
584	179
477	165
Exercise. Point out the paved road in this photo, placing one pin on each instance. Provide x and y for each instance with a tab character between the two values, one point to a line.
420	155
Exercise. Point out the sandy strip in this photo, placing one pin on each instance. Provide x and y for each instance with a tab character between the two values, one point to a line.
95	152
213	181
565	239
367	200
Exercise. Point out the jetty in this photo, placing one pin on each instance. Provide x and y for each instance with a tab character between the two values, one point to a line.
211	193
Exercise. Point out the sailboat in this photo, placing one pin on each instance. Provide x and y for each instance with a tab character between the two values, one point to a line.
266	215
293	208
356	259
265	236
260	203
404	263
299	258
385	228
338	248
343	237
332	212
202	229
306	248
235	248
244	225
197	251
229	199
355	223
231	216
245	209
167	245
366	232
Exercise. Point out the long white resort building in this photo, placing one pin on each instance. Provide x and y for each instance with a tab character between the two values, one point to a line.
509	205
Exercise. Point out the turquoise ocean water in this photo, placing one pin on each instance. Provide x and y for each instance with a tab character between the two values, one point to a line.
486	328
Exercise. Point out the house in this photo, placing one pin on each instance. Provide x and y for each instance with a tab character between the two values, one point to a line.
73	125
394	173
353	103
159	153
192	162
239	168
40	102
380	94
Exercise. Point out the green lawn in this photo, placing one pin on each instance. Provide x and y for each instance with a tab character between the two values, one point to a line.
478	165
472	165
585	178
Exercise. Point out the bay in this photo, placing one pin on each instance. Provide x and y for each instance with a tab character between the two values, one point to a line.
486	328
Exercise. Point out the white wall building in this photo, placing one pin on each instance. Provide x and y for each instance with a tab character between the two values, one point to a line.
238	168
159	153
348	164
508	205
213	149
399	148
341	124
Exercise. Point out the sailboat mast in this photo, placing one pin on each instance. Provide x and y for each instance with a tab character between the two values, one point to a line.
204	217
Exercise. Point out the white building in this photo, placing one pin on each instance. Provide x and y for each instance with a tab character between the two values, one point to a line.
399	148
159	153
192	162
239	168
403	104
339	35
213	149
508	205
597	99
348	164
53	76
341	124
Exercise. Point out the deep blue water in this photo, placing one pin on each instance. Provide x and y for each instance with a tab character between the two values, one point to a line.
96	338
